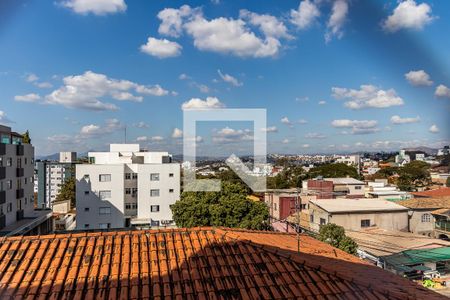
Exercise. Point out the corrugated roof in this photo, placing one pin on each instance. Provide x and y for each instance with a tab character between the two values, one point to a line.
418	256
190	264
356	205
431	203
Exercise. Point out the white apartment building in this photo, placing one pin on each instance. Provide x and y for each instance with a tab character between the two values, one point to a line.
402	158
16	185
126	187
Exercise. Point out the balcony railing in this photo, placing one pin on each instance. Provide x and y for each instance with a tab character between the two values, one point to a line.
19	150
442	225
19	172
2	197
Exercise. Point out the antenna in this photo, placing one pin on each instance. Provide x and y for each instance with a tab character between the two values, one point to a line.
125	133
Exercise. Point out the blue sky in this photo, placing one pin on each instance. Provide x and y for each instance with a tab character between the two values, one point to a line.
334	76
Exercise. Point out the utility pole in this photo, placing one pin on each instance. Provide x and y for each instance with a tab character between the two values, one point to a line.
298	212
125	129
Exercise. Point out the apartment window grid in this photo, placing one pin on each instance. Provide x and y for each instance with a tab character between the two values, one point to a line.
104	210
127	176
154	208
104	177
104	195
426	218
154	193
135	176
154	176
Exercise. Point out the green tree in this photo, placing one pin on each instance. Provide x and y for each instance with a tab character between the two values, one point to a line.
26	138
335	236
229	208
67	191
414	174
334	170
447	183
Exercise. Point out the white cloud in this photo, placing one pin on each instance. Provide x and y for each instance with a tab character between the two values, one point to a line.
43	85
285	141
270	129
183	77
398	120
141	125
177	133
93	130
285	120
408	15
172	20
96	7
306	14
230	79
356	126
442	91
337	20
31	77
197	103
418	78
322	102
434	129
157	138
32	97
314	135
367	96
161	48
142	139
230	135
203	88
269	25
302	121
305	146
85	91
3	118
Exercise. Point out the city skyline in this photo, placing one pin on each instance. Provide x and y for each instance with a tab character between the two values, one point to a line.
332	78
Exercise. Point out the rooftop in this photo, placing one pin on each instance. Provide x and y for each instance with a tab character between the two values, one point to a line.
440	192
344	180
431	203
381	242
191	264
340	205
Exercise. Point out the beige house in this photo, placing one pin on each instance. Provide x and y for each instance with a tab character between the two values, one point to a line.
357	214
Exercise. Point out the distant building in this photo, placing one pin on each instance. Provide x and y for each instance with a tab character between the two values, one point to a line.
381	190
420	156
284	202
357	214
350	160
51	175
444	151
17	214
126	187
402	158
326	188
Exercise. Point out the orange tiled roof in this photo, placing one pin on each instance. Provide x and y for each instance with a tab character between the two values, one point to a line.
424	203
441	192
190	264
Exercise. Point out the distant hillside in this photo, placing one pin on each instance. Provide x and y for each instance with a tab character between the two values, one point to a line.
427	150
55	156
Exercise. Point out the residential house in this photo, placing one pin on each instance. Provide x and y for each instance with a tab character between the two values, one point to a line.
381	190
326	188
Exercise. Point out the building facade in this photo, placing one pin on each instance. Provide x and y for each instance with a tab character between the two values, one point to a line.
126	187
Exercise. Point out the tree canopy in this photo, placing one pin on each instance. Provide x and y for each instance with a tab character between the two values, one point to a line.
447	183
335	236
67	191
229	208
289	177
334	170
26	138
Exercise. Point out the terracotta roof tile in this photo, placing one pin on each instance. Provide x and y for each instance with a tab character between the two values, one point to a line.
190	264
440	192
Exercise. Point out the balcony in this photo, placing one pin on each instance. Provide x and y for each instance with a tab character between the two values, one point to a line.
2	197
19	215
2	149
2	173
19	193
2	221
19	172
442	225
19	150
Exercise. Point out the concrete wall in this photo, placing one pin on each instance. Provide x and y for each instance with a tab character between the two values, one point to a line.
419	227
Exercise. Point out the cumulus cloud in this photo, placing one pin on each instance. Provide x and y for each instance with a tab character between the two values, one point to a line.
418	78
285	120
3	118
314	135
305	15
224	35
161	48
367	96
141	125
399	120
285	141
85	91
31	97
184	76
34	79
269	25
177	133
96	7
230	135
31	77
408	15
433	129
197	103
270	129
94	130
337	20
229	79
442	91
322	102
43	85
356	126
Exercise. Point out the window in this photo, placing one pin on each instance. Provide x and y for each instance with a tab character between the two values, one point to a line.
154	208
426	218
170	174
358	187
86	192
104	195
170	190
127	205
86	225
104	225
9	207
127	176
323	221
134	205
311	218
154	223
134	192
9	162
135	175
104	177
9	184
365	223
154	176
104	210
127	191
154	193
86	209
